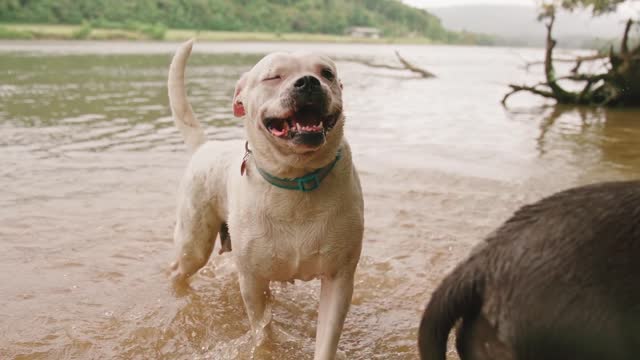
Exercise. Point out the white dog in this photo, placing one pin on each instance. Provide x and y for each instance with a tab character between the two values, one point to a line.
291	207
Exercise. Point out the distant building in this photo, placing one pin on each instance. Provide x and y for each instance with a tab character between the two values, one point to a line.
364	32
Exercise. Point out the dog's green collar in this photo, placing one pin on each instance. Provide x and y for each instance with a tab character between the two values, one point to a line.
307	183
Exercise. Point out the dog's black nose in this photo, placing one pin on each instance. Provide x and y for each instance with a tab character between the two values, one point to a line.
307	91
307	83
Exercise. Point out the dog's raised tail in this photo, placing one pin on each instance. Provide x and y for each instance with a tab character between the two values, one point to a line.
459	294
181	109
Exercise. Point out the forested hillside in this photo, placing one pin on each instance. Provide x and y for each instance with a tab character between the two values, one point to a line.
278	16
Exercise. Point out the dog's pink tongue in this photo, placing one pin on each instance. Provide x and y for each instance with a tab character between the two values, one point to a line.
281	133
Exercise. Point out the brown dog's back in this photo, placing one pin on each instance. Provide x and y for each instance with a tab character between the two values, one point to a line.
559	280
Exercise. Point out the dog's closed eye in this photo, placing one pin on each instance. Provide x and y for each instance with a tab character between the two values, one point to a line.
272	77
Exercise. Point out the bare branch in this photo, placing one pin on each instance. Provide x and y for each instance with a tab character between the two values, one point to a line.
584	77
372	64
577	59
531	89
409	66
405	66
586	91
550	73
624	47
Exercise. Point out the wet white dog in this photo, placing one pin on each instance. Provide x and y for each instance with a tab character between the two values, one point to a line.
290	204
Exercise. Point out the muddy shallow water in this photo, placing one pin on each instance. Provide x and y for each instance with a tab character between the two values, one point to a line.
90	162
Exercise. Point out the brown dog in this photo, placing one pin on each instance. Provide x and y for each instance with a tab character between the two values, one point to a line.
559	280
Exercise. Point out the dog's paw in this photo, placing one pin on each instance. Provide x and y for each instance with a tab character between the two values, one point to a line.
178	279
340	355
177	276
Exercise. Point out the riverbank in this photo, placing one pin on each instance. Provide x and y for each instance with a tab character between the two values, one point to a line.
87	32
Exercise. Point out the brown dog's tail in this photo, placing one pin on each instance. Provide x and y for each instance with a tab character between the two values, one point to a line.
459	294
181	109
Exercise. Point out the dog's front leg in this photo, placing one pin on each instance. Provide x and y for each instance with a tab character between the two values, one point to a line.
254	292
335	298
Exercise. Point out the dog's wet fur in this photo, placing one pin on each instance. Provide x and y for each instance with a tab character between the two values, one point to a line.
560	280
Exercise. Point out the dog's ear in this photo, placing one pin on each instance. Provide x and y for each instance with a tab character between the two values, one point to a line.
238	105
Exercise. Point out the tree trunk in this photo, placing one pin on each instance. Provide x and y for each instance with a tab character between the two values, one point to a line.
624	76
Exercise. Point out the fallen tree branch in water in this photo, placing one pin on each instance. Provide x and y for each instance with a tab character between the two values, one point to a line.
531	89
406	65
618	86
409	66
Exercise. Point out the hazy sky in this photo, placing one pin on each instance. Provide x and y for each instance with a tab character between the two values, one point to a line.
625	9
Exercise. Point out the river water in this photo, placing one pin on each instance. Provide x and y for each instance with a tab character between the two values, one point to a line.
90	162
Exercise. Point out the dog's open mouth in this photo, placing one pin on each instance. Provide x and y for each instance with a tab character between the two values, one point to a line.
305	121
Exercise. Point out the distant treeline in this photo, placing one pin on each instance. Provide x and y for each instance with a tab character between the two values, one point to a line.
392	17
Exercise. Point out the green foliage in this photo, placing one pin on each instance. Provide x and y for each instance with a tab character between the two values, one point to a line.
101	23
83	32
275	16
155	31
14	34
